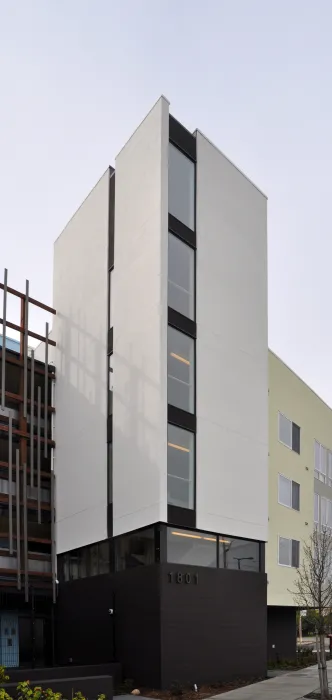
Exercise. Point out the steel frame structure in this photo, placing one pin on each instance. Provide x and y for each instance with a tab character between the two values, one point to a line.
32	429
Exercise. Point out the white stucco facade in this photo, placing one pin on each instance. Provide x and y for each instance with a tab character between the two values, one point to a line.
231	349
80	331
231	490
139	319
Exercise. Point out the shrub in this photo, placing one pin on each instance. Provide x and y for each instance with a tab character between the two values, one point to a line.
3	676
176	689
4	695
123	688
26	692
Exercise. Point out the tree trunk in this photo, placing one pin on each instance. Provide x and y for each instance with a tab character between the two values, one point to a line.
319	663
322	669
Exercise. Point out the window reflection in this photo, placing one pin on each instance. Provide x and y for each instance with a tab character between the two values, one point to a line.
181	264
181	187
110	385
135	549
180	467
238	554
180	370
84	562
191	547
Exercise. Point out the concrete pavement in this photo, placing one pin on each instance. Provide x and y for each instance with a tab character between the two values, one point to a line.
290	686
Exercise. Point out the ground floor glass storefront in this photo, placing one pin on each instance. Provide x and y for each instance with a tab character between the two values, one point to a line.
162	543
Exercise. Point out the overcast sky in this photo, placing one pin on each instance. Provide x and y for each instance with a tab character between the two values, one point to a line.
76	78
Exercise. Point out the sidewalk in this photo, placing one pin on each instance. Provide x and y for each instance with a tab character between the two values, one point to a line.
289	686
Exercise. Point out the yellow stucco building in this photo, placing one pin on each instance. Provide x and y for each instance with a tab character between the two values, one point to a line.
300	490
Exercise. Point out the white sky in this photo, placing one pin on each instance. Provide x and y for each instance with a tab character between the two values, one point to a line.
77	76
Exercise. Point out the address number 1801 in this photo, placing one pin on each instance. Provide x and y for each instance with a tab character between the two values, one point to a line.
180	577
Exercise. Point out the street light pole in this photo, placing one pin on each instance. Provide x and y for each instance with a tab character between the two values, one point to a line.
239	559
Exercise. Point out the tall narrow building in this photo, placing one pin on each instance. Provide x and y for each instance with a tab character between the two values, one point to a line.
160	286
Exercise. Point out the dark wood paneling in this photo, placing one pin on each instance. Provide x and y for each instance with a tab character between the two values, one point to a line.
281	632
213	630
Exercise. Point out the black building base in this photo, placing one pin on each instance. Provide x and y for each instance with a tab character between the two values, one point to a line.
166	623
281	633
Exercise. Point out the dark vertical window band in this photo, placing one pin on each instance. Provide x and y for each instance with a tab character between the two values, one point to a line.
183	419
262	556
181	322
182	138
110	341
111	209
181	489
109	446
181	230
181	517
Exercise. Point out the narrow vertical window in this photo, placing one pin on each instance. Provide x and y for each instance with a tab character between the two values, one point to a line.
285	430
181	187
289	433
295	495
180	370
110	298
110	385
110	472
181	273
180	467
289	552
285	491
295	554
295	438
316	508
288	493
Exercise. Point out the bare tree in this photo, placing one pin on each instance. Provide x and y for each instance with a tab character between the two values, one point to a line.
313	589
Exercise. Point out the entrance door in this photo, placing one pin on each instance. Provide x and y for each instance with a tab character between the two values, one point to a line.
9	640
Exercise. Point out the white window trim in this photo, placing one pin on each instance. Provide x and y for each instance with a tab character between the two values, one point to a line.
319	475
328	500
291	422
283	504
290	539
317	522
286	566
